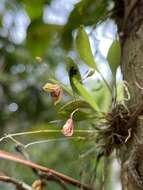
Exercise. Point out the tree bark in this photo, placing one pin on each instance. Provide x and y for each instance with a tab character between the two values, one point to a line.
131	33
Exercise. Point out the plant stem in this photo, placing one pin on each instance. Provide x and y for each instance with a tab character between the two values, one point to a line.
106	83
41	131
53	140
67	179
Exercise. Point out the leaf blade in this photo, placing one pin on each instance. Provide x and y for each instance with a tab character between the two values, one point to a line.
84	48
84	93
114	56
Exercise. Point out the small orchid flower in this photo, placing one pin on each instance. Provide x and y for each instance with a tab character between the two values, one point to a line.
68	127
55	91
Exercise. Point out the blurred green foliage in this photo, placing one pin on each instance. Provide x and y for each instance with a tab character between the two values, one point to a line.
23	104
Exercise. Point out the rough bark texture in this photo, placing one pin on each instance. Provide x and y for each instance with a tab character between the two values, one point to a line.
131	30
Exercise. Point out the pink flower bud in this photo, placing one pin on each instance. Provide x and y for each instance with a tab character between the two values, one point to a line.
67	129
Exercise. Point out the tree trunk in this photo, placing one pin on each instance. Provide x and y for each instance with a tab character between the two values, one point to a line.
131	33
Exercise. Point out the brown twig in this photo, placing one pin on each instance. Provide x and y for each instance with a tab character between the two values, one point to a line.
19	185
49	177
67	179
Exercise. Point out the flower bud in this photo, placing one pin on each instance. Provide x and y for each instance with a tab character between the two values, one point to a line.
38	184
67	129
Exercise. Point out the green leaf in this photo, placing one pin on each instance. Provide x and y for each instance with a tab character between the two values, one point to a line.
76	83
84	93
114	56
33	10
73	72
80	115
84	111
83	48
72	105
87	13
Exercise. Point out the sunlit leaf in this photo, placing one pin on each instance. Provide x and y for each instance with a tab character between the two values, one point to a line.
85	12
114	56
85	94
83	48
76	83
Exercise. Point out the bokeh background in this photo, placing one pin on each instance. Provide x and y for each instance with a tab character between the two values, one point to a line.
35	38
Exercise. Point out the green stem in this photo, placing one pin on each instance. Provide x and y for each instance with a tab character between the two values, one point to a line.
53	140
106	83
41	131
